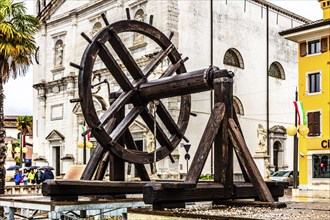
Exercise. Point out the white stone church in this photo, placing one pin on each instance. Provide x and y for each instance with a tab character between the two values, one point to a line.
241	36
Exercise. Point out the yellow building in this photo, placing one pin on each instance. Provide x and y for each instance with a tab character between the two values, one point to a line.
314	92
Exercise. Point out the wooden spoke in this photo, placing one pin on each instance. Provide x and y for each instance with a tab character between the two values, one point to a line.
168	121
173	67
125	123
114	68
157	60
125	56
130	144
97	155
160	134
115	106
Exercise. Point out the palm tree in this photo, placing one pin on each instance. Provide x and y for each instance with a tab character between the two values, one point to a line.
24	124
17	47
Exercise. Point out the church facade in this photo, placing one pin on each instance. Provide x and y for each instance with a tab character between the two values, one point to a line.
241	36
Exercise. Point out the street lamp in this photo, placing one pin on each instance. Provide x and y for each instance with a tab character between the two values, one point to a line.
292	130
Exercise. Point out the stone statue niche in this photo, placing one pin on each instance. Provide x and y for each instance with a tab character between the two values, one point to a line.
262	139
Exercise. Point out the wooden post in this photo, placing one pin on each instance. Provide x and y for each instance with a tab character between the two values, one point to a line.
117	165
223	150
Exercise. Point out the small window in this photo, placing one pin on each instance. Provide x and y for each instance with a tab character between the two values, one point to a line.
314	47
238	106
321	165
314	125
97	26
276	70
314	82
233	58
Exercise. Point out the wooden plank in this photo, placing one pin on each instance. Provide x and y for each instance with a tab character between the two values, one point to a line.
103	165
243	154
205	143
130	144
88	187
154	193
157	193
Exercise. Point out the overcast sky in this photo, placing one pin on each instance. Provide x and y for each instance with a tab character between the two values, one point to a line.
18	100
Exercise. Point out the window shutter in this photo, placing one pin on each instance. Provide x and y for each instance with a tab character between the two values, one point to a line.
324	45
317	123
310	120
303	48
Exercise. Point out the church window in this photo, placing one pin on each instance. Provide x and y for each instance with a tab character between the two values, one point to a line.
97	26
233	58
238	106
276	70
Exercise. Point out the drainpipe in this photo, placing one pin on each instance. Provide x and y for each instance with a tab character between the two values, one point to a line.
267	83
211	64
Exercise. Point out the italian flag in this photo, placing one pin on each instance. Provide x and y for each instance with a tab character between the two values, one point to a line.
300	112
85	128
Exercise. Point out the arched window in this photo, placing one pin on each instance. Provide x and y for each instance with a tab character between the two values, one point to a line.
238	107
58	53
97	26
139	16
276	70
233	58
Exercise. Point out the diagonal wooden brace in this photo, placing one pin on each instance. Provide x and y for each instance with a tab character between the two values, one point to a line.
244	156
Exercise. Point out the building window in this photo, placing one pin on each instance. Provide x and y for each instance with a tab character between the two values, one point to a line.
238	106
314	47
233	58
321	166
276	70
314	82
97	26
314	125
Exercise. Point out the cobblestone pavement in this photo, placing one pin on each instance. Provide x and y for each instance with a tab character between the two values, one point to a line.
301	204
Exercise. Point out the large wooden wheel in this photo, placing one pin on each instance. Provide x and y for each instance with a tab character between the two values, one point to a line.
170	133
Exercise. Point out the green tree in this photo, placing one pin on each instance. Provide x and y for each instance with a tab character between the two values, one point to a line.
17	48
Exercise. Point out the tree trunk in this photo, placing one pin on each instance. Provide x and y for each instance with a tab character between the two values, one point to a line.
2	146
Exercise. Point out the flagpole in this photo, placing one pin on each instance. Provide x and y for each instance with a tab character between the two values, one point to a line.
295	152
84	136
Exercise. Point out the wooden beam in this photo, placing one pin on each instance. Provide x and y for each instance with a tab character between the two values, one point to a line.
223	150
243	154
205	143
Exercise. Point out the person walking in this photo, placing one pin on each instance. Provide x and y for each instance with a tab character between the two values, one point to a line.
31	176
38	177
25	177
48	174
17	177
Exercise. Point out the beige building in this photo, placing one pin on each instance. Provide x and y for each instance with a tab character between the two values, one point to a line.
241	36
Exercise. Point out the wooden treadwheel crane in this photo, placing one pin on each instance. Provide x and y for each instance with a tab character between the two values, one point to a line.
115	141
